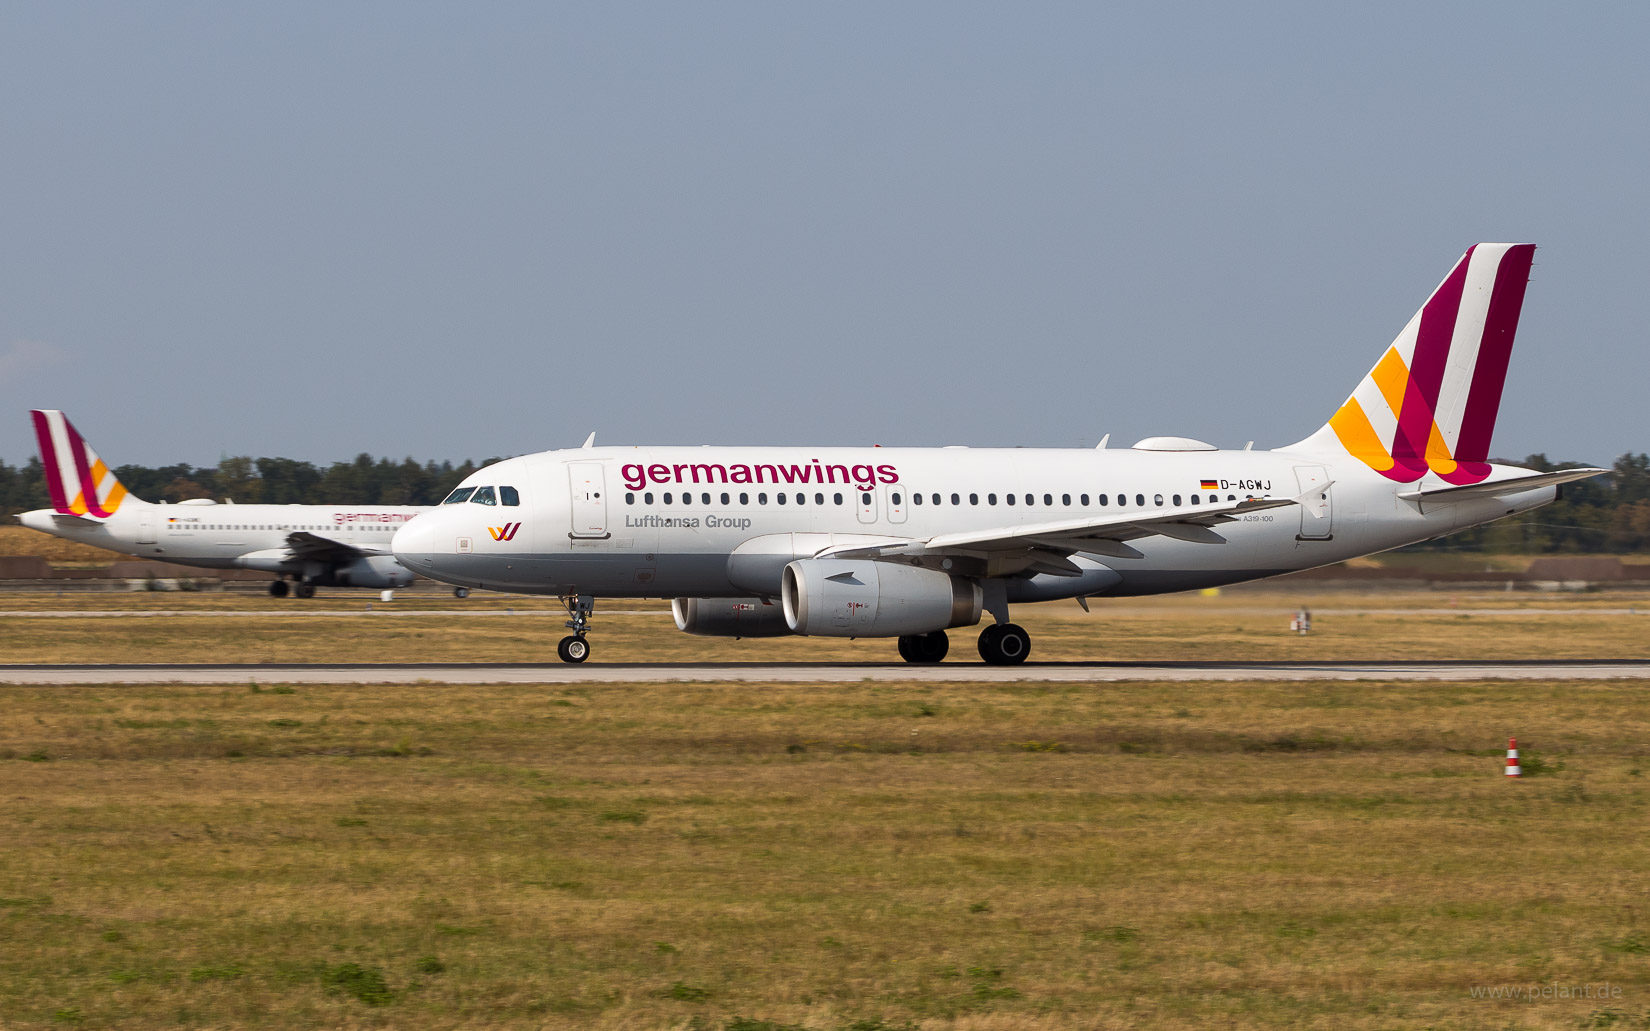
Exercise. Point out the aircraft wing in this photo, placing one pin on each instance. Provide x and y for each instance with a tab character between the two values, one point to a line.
1100	535
1498	488
306	545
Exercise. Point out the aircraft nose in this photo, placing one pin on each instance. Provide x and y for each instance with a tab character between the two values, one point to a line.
414	544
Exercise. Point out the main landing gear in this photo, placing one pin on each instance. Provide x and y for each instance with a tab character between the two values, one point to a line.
280	589
1004	644
575	648
924	648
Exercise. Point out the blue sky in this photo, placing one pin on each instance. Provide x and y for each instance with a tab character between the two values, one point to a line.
446	231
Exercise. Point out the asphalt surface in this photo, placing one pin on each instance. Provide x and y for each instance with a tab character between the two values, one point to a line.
811	673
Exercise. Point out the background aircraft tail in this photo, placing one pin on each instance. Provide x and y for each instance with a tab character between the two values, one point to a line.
79	481
1430	402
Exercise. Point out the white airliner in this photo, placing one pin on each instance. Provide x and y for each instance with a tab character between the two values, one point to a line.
909	542
313	545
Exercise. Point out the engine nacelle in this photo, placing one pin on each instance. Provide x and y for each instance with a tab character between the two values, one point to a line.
730	617
862	598
376	571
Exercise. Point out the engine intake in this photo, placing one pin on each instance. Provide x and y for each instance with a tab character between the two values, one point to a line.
730	617
864	598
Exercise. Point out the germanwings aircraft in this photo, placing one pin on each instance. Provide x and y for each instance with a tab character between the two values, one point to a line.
911	542
313	545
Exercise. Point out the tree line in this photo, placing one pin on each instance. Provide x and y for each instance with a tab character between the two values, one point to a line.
260	481
1610	514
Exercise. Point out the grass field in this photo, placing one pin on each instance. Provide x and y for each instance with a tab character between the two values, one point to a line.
1233	626
878	855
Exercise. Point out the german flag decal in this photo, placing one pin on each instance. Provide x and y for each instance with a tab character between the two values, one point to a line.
1211	484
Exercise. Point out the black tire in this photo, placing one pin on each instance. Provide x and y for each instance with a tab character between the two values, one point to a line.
278	589
1005	644
573	649
929	648
461	592
304	590
906	652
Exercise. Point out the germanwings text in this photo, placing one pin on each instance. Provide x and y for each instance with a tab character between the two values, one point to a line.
864	477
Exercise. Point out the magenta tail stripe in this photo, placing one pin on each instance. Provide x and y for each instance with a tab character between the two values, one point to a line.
1494	352
48	458
77	450
1426	369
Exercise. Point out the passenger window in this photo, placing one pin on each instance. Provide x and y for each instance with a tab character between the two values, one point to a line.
1048	500
744	499
459	496
629	498
1083	499
761	499
1158	498
1122	499
990	499
1231	497
705	498
509	496
819	499
1009	498
1140	501
667	497
724	499
1031	499
648	498
936	499
864	498
1177	499
1214	499
916	499
837	497
802	499
1065	499
483	496
780	497
895	498
1104	499
1197	499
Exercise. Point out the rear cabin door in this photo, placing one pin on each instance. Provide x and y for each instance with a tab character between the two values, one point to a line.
146	527
1317	512
589	499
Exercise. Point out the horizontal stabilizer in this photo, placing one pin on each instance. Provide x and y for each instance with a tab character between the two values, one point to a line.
1500	488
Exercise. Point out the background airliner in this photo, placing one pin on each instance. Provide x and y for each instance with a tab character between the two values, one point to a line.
909	542
313	545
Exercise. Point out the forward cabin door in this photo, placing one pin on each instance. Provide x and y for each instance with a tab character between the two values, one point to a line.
588	486
867	502
1317	511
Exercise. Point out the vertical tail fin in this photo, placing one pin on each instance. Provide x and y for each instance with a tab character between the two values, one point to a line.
79	481
1430	402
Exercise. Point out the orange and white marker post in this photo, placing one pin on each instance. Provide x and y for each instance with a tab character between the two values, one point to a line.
1512	758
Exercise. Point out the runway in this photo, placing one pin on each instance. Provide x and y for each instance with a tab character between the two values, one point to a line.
812	673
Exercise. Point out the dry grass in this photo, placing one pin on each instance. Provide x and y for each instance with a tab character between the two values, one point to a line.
955	856
1234	626
20	540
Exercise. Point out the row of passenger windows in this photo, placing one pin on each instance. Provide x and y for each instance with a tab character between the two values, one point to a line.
896	498
484	496
378	527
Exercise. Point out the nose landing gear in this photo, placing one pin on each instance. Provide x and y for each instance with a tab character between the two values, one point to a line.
575	648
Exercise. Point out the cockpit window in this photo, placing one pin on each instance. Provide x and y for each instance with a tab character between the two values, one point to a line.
509	496
459	496
484	496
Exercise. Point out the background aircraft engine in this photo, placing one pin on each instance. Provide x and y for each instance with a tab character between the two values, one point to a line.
862	598
379	571
730	617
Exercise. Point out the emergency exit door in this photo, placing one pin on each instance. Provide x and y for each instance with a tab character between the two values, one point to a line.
588	486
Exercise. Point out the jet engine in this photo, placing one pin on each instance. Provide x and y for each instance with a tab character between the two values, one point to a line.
730	617
863	598
377	571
